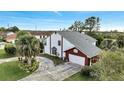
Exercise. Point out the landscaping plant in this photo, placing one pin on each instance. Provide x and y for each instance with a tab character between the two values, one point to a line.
28	47
10	49
109	67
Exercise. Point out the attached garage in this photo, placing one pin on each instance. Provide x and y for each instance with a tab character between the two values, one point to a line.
76	56
77	59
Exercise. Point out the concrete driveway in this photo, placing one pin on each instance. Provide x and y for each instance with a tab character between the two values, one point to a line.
48	72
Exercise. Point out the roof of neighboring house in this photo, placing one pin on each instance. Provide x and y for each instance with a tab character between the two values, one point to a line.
9	33
81	42
11	37
41	33
1	33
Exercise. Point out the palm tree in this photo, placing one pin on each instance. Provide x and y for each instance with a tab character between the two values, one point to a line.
27	47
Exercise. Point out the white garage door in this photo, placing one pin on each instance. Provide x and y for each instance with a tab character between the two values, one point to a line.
77	59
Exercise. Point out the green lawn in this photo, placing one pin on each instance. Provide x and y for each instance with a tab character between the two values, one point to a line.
10	72
78	77
55	59
3	54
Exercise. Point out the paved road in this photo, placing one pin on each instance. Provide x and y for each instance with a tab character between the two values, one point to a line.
48	72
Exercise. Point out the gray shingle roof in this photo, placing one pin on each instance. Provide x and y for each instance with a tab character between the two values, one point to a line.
81	42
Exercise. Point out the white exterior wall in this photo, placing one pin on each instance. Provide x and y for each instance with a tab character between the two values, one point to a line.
37	36
54	43
12	41
47	46
94	43
66	45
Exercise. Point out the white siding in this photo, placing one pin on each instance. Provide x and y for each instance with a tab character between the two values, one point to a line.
37	36
66	45
47	46
94	43
54	43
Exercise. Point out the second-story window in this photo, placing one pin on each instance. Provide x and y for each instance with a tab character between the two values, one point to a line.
59	42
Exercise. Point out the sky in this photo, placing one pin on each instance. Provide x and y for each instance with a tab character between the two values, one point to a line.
56	20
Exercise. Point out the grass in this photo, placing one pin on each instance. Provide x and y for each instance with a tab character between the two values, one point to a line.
78	77
55	59
11	72
3	54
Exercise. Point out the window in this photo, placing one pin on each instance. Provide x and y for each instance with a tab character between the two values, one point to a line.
43	36
59	42
40	36
54	50
45	42
75	50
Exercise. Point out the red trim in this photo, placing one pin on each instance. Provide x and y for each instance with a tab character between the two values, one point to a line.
95	59
81	54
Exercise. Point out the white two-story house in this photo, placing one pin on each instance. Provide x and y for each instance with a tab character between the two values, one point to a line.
72	46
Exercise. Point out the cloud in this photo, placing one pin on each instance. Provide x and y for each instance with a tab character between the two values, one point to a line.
58	13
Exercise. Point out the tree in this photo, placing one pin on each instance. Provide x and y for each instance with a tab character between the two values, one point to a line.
2	29
92	23
120	41
108	44
2	38
22	33
27	47
77	26
13	29
10	49
109	67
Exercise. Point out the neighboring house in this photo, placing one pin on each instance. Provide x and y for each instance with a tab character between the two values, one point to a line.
41	35
74	47
10	37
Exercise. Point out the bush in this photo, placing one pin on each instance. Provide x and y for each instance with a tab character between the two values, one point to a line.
86	70
41	47
109	67
10	49
27	67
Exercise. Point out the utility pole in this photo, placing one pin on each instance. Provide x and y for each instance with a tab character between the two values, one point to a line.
35	27
8	25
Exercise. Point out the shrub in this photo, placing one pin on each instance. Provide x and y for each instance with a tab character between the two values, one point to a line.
27	67
10	49
41	47
86	70
109	67
120	41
